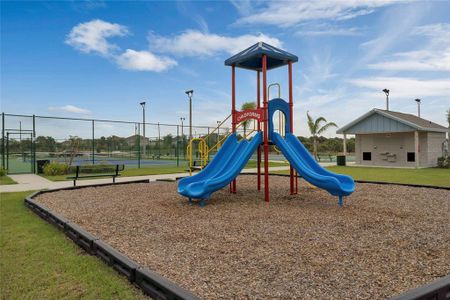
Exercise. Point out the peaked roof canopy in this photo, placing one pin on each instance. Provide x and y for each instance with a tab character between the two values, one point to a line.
411	122
250	58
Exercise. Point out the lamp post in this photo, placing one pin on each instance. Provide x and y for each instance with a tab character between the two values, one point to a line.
386	91
190	93
418	106
143	126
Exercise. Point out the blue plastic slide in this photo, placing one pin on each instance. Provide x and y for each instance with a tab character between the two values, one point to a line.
310	170
225	166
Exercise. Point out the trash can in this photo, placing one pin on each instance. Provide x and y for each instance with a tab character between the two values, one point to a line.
340	160
40	165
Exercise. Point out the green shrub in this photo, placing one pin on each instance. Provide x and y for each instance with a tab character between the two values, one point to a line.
2	172
55	168
443	162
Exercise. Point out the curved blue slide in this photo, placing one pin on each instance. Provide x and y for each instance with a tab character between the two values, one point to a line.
225	166
304	163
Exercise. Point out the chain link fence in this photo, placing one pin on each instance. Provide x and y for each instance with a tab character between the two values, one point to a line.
26	140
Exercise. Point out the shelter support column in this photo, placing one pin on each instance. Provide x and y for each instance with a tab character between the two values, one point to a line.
345	144
417	148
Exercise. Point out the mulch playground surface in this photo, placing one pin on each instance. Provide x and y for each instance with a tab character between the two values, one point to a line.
386	239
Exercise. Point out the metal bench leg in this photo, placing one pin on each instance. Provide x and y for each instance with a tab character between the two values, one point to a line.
114	179
74	182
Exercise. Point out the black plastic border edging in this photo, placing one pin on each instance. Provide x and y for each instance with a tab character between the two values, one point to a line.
151	283
437	290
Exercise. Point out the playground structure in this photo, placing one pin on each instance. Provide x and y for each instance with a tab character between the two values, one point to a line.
233	154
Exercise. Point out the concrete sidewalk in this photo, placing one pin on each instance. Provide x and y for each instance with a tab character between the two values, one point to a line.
29	182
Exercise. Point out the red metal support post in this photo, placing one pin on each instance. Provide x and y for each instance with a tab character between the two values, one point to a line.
266	130
291	123
233	112
258	105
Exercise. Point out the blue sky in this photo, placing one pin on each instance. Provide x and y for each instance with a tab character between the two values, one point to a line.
100	59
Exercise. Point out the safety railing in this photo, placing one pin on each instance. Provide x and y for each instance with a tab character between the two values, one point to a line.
202	152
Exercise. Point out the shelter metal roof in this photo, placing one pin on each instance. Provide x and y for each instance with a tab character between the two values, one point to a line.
251	58
411	121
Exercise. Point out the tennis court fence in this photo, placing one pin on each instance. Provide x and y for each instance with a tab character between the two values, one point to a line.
27	139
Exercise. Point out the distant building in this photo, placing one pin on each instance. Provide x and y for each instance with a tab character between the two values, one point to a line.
133	140
390	138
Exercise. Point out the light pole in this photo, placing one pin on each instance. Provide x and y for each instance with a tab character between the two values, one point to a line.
190	93
143	126
418	106
386	91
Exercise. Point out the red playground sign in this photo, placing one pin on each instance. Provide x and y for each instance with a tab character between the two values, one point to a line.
245	115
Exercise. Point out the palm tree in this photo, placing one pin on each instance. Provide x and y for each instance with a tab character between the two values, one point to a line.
247	106
316	129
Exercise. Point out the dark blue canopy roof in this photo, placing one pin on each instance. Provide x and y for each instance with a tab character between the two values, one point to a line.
250	58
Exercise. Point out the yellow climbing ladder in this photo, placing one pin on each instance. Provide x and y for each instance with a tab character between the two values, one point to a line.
203	149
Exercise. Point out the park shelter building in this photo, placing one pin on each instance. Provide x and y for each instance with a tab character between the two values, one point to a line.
395	139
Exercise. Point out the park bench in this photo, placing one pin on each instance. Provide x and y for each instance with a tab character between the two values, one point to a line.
92	171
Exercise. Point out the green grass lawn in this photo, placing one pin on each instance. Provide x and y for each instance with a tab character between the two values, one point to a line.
4	180
428	176
38	262
154	170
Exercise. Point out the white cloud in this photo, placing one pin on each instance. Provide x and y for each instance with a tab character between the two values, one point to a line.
91	37
328	30
144	61
195	43
244	7
440	32
69	109
424	60
433	56
406	87
288	13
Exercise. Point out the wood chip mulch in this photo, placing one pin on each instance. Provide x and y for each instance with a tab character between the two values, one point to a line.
386	240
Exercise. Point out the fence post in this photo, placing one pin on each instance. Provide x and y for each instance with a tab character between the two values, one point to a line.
93	142
139	145
159	142
7	151
33	146
3	140
178	146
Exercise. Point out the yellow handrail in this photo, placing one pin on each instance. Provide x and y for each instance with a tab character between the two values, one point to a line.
227	135
203	151
203	148
218	126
